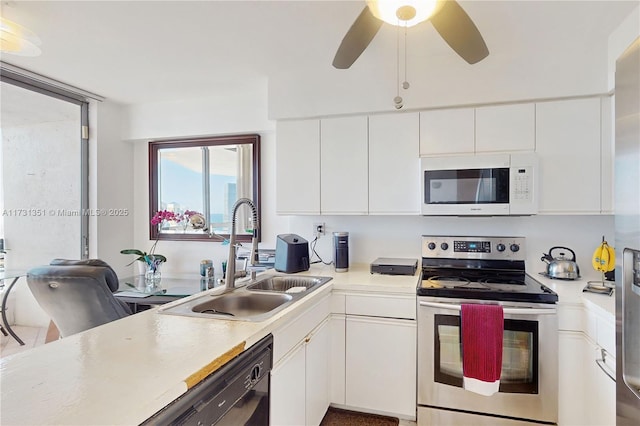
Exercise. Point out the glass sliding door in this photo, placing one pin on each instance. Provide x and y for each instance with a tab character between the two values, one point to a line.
43	176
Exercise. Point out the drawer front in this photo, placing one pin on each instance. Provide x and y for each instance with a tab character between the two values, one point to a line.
571	317
287	337
606	335
387	306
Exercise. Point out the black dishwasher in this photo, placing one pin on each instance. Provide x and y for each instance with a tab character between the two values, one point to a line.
236	394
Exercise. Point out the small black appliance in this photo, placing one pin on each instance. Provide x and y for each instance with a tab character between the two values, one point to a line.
341	251
392	266
292	254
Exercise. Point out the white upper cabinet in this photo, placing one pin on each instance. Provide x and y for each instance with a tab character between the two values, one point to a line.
447	131
568	145
505	128
344	166
298	167
394	164
607	155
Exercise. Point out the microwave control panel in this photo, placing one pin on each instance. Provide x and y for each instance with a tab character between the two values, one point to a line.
522	181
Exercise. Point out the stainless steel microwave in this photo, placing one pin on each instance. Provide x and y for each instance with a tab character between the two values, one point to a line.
480	185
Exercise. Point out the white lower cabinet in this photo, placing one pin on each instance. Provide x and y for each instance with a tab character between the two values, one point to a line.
288	396
586	394
337	359
317	374
600	389
300	381
572	350
381	365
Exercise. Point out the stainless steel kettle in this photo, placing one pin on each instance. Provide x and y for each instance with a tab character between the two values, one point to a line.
561	267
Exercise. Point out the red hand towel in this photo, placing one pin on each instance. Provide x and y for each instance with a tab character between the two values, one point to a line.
482	328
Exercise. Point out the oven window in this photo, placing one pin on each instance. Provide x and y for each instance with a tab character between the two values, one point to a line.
473	186
519	354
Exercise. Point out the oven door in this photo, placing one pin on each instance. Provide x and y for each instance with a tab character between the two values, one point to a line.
529	380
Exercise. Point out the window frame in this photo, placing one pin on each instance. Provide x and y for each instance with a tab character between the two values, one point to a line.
154	197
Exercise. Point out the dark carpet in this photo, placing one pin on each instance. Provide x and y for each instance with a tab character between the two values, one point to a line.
338	417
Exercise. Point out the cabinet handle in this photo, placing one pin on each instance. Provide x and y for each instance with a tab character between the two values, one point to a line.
603	366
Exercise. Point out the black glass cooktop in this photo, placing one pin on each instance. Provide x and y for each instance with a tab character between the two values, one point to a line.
483	281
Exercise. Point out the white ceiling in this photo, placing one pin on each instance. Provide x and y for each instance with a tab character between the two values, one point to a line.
151	51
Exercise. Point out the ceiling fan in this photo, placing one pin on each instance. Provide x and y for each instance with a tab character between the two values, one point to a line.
447	16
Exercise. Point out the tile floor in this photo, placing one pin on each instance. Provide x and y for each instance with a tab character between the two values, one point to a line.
31	336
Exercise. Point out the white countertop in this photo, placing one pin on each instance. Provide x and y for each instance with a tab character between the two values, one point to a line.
359	279
125	371
570	293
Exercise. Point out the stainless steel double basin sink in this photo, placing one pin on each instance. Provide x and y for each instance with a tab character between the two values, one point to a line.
257	301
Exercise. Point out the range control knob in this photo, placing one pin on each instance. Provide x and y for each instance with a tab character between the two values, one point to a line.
514	247
432	246
500	247
444	246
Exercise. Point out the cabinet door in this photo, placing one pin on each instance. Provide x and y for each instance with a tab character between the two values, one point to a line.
394	164
317	374
572	351
600	390
607	155
287	395
381	365
298	167
505	128
344	166
447	131
337	362
568	145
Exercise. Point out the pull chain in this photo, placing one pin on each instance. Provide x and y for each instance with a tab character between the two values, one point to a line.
405	83
398	99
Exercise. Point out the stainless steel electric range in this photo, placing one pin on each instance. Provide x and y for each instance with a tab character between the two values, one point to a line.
485	270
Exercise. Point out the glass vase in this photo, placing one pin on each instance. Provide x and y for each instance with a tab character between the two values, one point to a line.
152	276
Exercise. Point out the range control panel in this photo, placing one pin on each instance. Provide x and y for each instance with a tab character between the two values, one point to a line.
459	247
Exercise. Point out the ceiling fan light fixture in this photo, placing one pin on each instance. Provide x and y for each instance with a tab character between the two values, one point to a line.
18	40
405	13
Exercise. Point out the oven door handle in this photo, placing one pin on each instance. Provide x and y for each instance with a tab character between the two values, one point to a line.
507	311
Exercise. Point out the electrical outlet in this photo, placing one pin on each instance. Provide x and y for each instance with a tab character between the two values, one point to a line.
318	229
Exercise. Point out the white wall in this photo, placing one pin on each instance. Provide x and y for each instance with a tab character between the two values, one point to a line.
619	40
371	237
245	112
323	92
111	171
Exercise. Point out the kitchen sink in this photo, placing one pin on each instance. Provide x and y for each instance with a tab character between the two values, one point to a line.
284	284
242	304
257	301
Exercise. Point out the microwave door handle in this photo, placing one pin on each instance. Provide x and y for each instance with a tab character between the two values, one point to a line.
481	194
479	189
507	311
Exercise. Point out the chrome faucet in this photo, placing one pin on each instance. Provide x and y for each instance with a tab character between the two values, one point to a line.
230	278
